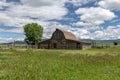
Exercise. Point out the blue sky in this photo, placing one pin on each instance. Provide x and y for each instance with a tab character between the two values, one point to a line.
87	19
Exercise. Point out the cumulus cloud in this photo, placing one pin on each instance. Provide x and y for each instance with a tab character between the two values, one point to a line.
39	3
82	24
46	12
93	16
111	32
81	33
2	4
18	15
55	2
110	4
10	39
14	30
80	2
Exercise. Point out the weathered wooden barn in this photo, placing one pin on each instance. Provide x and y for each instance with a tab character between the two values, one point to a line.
63	40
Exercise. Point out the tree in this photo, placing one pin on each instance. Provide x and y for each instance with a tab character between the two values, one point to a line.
33	33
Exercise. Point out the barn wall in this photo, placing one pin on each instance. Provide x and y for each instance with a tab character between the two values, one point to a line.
43	46
71	44
86	46
65	44
59	44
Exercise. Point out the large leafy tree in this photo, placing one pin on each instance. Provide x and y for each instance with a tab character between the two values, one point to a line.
33	33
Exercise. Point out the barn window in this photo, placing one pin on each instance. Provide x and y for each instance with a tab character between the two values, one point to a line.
58	36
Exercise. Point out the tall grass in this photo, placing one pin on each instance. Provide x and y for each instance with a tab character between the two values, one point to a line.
60	64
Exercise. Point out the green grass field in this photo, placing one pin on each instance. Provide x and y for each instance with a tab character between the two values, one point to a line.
92	64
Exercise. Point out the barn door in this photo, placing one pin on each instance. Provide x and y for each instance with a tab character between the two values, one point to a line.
78	46
54	45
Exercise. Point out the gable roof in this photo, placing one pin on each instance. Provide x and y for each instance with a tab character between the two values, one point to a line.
68	35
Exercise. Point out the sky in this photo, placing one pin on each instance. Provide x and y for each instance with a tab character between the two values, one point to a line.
86	19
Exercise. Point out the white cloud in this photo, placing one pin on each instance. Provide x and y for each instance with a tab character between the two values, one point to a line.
55	2
23	13
112	32
14	30
7	20
82	33
110	4
80	2
18	15
87	26
46	13
82	24
2	3
93	16
41	11
10	39
38	3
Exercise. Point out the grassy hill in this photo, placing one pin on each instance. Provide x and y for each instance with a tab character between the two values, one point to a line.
92	64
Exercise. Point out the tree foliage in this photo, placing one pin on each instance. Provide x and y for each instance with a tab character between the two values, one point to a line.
33	33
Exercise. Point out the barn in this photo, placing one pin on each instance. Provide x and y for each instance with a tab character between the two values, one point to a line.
63	40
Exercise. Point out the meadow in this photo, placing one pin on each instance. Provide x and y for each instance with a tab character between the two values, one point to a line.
42	64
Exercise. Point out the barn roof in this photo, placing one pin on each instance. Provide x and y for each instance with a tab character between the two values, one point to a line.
68	35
